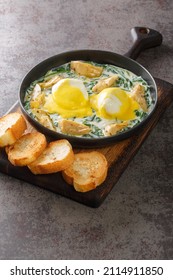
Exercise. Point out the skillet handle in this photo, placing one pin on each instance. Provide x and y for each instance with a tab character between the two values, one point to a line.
143	38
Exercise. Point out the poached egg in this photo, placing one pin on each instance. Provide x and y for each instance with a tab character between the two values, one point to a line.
69	98
113	103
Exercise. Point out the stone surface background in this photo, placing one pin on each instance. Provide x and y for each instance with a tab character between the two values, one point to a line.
135	221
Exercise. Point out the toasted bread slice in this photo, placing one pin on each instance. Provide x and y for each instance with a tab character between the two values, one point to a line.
27	148
88	170
12	126
56	157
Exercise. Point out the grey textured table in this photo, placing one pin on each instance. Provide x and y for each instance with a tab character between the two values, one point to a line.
136	219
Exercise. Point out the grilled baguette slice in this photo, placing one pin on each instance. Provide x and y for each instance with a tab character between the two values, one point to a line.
88	170
57	156
12	126
27	148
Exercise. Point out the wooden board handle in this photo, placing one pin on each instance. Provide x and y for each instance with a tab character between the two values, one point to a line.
143	38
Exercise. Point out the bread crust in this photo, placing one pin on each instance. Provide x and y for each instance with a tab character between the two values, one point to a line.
27	148
12	126
88	170
56	157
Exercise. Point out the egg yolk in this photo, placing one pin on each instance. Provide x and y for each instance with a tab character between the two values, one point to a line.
69	98
113	103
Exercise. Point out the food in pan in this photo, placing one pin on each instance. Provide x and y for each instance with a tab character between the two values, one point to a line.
87	99
69	98
86	69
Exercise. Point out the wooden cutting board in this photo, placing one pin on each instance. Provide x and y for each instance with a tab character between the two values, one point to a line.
118	155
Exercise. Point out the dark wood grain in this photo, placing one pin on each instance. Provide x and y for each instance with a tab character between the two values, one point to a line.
118	155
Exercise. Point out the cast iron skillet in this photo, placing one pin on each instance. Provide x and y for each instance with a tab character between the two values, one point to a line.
143	38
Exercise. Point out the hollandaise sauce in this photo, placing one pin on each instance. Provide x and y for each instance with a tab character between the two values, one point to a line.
105	98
